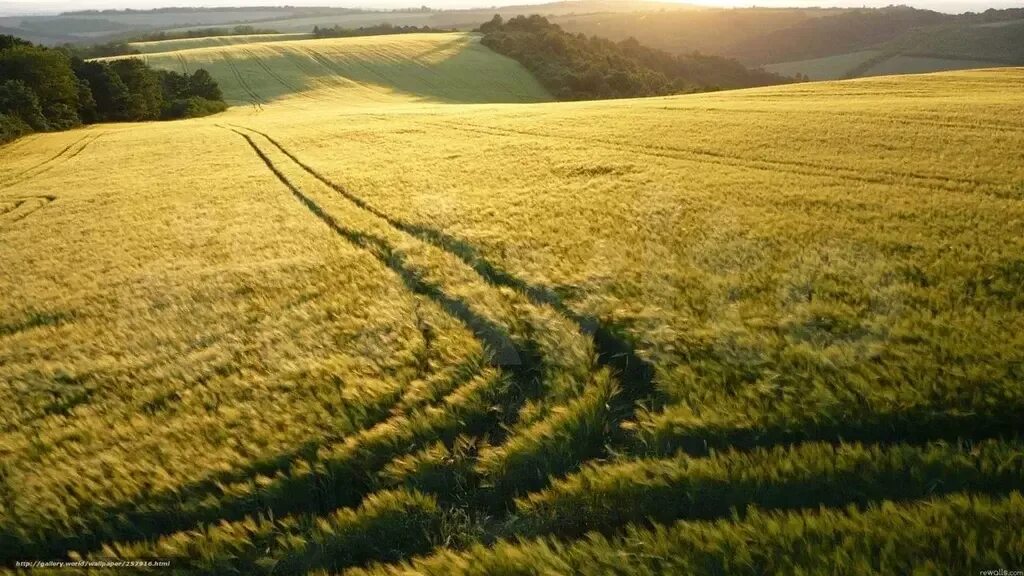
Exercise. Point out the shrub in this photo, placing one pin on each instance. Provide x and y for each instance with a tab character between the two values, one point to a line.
193	107
18	101
12	128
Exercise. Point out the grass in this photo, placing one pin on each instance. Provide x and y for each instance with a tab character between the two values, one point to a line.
385	317
920	64
177	44
413	67
827	68
886	538
930	49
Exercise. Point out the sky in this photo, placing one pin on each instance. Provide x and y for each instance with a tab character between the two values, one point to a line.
12	7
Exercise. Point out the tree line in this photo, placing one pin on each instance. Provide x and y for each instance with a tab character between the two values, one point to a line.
123	45
44	89
577	67
337	31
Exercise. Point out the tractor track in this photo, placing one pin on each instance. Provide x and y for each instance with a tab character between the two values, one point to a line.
613	350
708	157
916	119
491	335
277	77
253	97
184	64
24	207
51	162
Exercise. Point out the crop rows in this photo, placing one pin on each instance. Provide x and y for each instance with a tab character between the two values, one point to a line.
605	497
948	535
63	155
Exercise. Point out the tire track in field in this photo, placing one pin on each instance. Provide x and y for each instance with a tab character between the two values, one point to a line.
888	122
7	206
266	68
525	363
489	333
48	164
20	142
66	158
184	63
613	350
23	208
292	89
722	159
336	73
314	70
175	509
253	97
705	156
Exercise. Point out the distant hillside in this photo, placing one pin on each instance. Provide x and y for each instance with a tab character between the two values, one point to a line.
837	34
710	31
997	41
577	67
157	46
869	43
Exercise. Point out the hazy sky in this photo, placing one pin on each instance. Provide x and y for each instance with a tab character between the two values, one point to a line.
53	6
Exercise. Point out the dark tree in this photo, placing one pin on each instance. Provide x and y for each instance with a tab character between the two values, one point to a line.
145	99
173	84
202	85
48	74
86	103
494	25
7	42
109	92
17	100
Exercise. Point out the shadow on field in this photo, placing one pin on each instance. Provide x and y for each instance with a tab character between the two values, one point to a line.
456	70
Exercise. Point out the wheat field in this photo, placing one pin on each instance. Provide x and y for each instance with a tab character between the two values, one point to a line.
386	328
426	67
179	44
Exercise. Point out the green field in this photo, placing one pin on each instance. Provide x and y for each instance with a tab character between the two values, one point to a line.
437	67
208	41
874	63
828	68
920	64
410	317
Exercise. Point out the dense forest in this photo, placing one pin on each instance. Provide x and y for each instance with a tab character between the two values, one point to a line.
240	30
844	32
758	36
123	46
44	89
337	31
575	67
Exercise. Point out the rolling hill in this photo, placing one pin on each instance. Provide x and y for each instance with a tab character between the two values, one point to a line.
157	46
467	331
439	67
897	41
